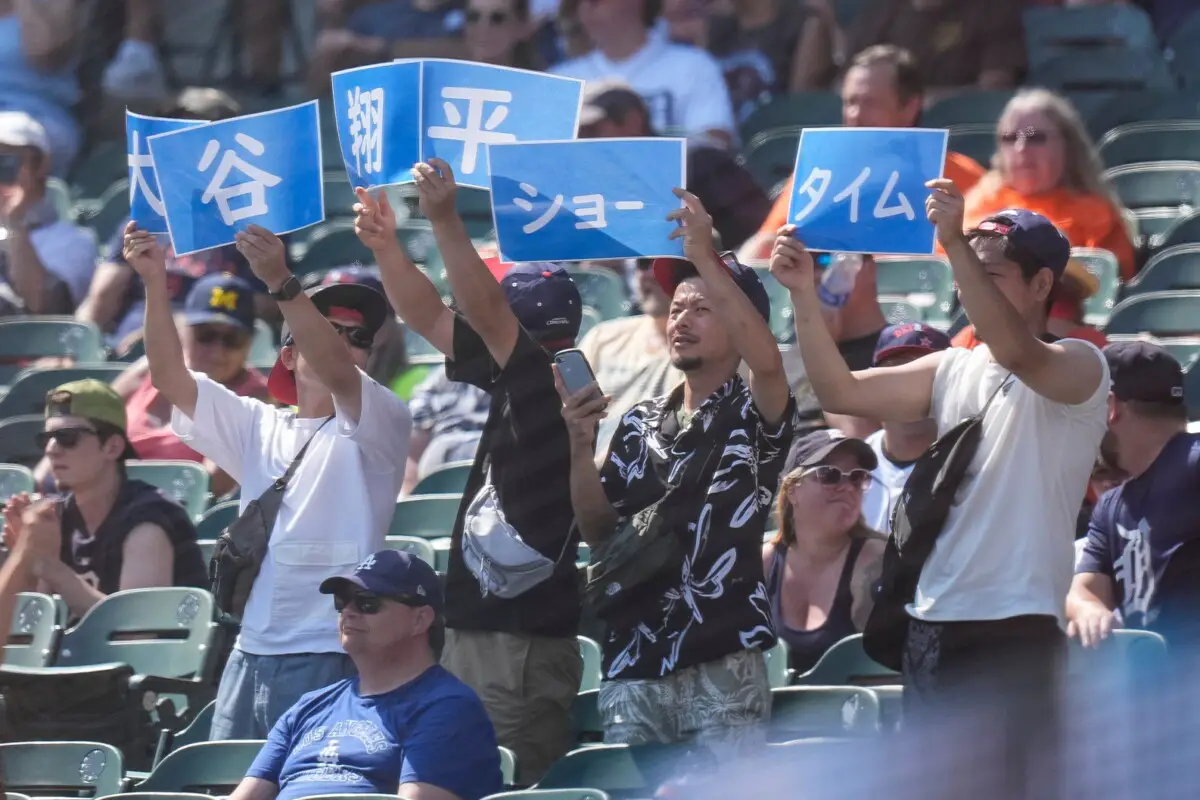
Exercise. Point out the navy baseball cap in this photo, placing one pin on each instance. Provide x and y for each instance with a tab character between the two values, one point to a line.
670	272
909	338
1036	242
361	276
545	301
222	298
1144	371
813	449
394	574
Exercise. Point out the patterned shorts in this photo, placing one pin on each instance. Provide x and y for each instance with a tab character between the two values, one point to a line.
722	705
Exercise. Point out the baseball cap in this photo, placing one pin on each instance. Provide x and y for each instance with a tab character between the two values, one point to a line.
814	448
1035	240
909	338
392	573
1144	371
352	300
606	99
361	276
221	298
545	301
18	129
670	272
90	399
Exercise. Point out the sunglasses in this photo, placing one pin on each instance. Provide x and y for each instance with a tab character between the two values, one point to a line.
67	437
1031	137
475	16
357	337
832	476
371	604
229	339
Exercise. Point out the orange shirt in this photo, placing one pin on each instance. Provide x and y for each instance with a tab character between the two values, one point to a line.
964	171
1086	220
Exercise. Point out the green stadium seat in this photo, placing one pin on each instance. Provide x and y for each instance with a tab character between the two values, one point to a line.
974	141
589	649
782	315
1087	26
589	319
421	548
185	482
79	769
585	717
339	196
197	730
14	479
1185	349
770	157
602	289
207	548
891	706
847	664
1101	69
1157	313
173	796
1103	266
1183	51
1154	223
981	107
529	794
897	310
27	395
17	444
474	205
217	519
799	712
798	110
103	163
428	516
441	553
508	766
1145	142
416	236
32	337
616	768
107	211
446	479
1156	184
214	768
262	348
1168	270
33	636
922	281
1191	392
1122	108
1184	230
60	195
778	672
333	244
1122	652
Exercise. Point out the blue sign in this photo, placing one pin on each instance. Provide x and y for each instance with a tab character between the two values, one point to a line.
587	199
862	190
145	204
467	106
378	113
263	169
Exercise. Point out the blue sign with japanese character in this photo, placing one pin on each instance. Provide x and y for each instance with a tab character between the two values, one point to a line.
467	106
378	113
862	190
587	199
145	204
263	169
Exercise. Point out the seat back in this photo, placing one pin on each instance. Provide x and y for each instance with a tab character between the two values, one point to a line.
17	443
524	794
603	290
782	320
770	156
165	632
1102	265
923	282
30	337
1157	184
197	730
1157	313
209	767
414	545
14	479
974	141
585	717
589	650
798	712
34	634
508	766
333	245
1176	268
620	768
897	310
185	482
847	664
1184	230
217	519
793	110
1146	142
428	515
980	107
446	479
27	395
81	769
778	672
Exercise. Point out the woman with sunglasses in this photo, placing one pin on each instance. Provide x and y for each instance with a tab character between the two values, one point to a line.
500	32
821	564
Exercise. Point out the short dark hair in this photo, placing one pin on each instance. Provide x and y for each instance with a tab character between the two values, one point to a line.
909	81
1161	412
1029	269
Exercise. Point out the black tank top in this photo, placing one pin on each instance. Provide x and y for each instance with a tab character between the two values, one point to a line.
805	647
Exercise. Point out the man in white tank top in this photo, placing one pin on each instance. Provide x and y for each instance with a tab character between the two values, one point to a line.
986	616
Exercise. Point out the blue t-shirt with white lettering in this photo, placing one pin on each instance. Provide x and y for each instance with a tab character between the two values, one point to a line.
432	730
1143	527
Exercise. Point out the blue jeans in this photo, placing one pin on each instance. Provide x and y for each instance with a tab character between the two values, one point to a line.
255	691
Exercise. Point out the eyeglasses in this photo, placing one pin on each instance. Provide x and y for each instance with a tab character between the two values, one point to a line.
358	338
1030	136
67	437
371	604
474	16
832	476
229	339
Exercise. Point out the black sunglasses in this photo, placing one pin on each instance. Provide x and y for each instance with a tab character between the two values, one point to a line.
67	437
366	603
229	339
1031	136
832	476
474	16
358	338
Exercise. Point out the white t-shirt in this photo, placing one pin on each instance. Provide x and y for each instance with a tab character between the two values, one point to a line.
682	86
880	498
1007	547
335	512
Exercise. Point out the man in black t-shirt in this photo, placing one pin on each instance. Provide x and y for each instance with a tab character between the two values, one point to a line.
519	654
113	533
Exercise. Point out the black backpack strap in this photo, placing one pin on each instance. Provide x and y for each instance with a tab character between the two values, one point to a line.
983	411
283	480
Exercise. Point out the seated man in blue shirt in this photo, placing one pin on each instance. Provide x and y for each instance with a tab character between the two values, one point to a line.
404	726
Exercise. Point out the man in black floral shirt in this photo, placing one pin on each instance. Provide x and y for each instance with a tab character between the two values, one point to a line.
683	647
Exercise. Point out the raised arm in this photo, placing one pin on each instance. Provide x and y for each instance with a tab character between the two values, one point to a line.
322	346
895	394
164	352
477	292
750	333
582	412
48	31
409	290
1067	372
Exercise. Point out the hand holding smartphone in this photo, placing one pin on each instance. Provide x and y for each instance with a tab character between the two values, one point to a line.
575	371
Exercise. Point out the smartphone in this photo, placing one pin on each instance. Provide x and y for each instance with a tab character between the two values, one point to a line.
574	369
10	168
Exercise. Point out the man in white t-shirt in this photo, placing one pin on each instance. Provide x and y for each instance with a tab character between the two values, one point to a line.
898	444
337	508
682	86
985	634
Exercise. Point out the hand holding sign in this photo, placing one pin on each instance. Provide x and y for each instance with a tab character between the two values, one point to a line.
142	251
435	182
375	222
264	250
791	263
945	208
695	226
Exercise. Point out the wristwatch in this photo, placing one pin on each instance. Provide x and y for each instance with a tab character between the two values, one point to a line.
290	289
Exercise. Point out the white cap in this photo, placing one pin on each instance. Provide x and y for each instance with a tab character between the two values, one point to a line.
18	129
